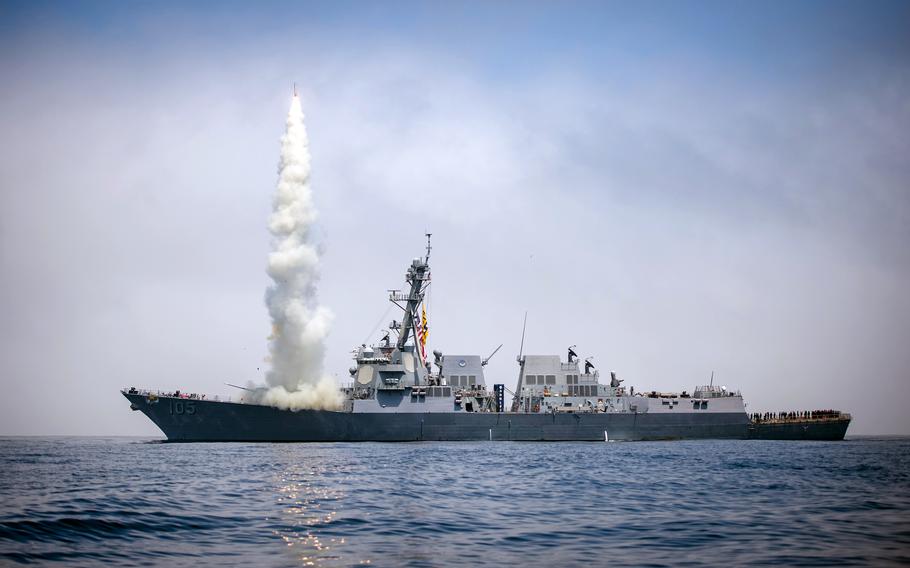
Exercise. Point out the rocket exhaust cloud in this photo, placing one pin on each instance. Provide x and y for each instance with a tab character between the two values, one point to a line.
296	379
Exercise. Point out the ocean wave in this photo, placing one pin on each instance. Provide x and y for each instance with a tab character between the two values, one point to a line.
699	503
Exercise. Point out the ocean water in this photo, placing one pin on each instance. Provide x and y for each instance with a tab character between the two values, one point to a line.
127	501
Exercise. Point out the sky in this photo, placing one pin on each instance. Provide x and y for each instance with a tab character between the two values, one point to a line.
675	187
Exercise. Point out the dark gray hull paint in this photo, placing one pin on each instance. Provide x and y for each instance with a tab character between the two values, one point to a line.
225	421
834	429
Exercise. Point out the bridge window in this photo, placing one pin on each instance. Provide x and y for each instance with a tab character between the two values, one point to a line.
532	379
551	380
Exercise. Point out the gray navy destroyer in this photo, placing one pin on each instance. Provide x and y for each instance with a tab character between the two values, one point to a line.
397	394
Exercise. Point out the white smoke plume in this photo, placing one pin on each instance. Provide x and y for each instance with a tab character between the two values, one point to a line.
299	324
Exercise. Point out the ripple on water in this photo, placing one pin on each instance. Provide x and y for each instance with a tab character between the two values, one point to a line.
128	502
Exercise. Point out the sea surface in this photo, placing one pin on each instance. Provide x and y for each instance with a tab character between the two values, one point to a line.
131	501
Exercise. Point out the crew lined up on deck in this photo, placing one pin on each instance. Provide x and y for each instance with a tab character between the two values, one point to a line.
799	415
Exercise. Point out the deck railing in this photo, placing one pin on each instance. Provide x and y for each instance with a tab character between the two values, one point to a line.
179	394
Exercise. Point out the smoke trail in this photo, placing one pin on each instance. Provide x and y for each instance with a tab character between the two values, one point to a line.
299	324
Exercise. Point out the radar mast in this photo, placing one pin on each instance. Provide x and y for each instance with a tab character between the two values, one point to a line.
418	276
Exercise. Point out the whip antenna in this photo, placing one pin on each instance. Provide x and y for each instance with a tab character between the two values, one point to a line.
521	349
487	360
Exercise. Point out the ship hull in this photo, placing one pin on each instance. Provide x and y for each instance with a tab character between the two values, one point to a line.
183	420
833	429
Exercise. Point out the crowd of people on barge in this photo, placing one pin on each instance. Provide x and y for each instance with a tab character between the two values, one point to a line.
795	416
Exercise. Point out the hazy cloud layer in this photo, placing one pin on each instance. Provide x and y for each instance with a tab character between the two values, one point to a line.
674	193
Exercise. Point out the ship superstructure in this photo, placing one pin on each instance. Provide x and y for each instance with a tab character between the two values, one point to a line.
396	376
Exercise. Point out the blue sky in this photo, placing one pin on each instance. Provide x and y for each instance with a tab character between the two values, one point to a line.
676	187
767	40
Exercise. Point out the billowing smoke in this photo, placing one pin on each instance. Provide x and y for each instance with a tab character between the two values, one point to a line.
299	324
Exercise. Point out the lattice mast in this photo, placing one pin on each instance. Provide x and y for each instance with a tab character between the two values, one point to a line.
418	276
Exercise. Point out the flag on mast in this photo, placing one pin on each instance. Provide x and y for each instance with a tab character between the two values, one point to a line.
423	331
